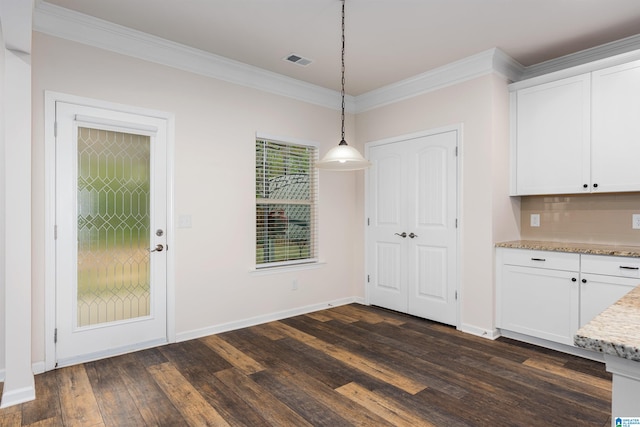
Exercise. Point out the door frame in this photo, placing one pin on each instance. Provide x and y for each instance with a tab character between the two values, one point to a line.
367	203
50	210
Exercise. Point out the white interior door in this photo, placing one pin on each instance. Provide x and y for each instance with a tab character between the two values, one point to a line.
111	222
412	237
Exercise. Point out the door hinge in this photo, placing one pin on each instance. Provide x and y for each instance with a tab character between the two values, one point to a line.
368	278
368	221
55	232
456	222
456	151
55	336
456	295
55	129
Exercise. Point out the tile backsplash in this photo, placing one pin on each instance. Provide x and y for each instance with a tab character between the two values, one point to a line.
588	218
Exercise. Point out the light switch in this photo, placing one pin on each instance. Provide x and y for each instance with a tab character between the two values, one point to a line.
535	220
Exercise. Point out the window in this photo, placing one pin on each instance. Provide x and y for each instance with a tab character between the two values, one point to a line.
286	196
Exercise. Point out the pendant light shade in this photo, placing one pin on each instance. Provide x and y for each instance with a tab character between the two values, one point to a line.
343	157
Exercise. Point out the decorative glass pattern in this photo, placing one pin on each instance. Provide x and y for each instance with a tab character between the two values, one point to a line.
113	226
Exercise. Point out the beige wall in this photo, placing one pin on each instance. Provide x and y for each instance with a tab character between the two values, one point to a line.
589	218
481	106
214	182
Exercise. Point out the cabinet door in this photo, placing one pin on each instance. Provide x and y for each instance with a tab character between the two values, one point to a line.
616	128
553	137
598	292
539	302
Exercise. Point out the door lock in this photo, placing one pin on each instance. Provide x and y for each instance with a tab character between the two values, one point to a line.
403	235
412	235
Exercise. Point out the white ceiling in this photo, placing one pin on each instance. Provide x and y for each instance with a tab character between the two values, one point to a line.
386	40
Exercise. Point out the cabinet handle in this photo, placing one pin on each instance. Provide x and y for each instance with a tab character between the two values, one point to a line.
624	267
595	185
538	259
585	186
573	279
584	280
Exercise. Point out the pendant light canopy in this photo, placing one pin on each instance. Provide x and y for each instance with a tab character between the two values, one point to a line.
343	157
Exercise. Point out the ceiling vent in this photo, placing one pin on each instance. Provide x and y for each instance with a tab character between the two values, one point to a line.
297	59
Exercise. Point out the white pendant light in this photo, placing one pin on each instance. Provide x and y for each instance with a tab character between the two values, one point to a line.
343	157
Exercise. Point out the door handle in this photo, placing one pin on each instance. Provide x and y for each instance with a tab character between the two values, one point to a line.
158	248
412	235
403	235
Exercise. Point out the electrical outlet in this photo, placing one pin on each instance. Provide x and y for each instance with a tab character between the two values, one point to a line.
535	220
635	221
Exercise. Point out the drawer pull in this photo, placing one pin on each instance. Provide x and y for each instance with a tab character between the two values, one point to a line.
541	259
624	267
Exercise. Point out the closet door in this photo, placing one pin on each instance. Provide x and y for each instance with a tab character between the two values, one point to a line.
412	254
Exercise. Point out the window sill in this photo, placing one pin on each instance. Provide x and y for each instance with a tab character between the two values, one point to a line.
286	268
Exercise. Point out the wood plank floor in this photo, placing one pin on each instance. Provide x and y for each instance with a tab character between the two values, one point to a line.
349	365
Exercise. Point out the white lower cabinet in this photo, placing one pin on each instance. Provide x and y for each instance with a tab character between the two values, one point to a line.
550	295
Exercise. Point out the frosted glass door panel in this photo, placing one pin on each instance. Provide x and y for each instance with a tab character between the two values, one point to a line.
113	226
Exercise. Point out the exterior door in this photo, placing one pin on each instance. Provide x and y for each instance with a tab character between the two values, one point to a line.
111	210
412	237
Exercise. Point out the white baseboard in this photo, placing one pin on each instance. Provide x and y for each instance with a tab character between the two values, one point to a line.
270	317
15	397
38	367
491	334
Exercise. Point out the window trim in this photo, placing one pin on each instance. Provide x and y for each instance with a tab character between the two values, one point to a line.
297	264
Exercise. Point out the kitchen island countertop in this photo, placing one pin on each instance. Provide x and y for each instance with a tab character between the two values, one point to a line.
615	331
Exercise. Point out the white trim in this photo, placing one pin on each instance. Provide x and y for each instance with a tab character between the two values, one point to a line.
287	140
15	397
615	48
459	128
286	268
60	22
265	318
38	367
491	334
50	220
576	70
70	25
487	62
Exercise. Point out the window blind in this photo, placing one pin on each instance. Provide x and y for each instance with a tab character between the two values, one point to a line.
286	198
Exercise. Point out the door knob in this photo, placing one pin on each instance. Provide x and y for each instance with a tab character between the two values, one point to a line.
158	248
403	235
412	235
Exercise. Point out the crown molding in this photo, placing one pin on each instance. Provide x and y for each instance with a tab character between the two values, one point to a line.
490	61
70	25
598	53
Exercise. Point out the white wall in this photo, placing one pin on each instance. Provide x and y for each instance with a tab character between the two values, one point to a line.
480	105
2	207
214	182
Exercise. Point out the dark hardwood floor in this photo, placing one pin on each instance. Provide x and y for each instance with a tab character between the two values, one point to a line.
349	365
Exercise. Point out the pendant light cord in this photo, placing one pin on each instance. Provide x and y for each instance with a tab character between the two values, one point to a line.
342	141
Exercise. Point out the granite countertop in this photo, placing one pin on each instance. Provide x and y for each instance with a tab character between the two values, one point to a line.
580	248
616	330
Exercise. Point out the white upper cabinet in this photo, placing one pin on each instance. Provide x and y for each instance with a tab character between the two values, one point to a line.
579	134
553	137
615	132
